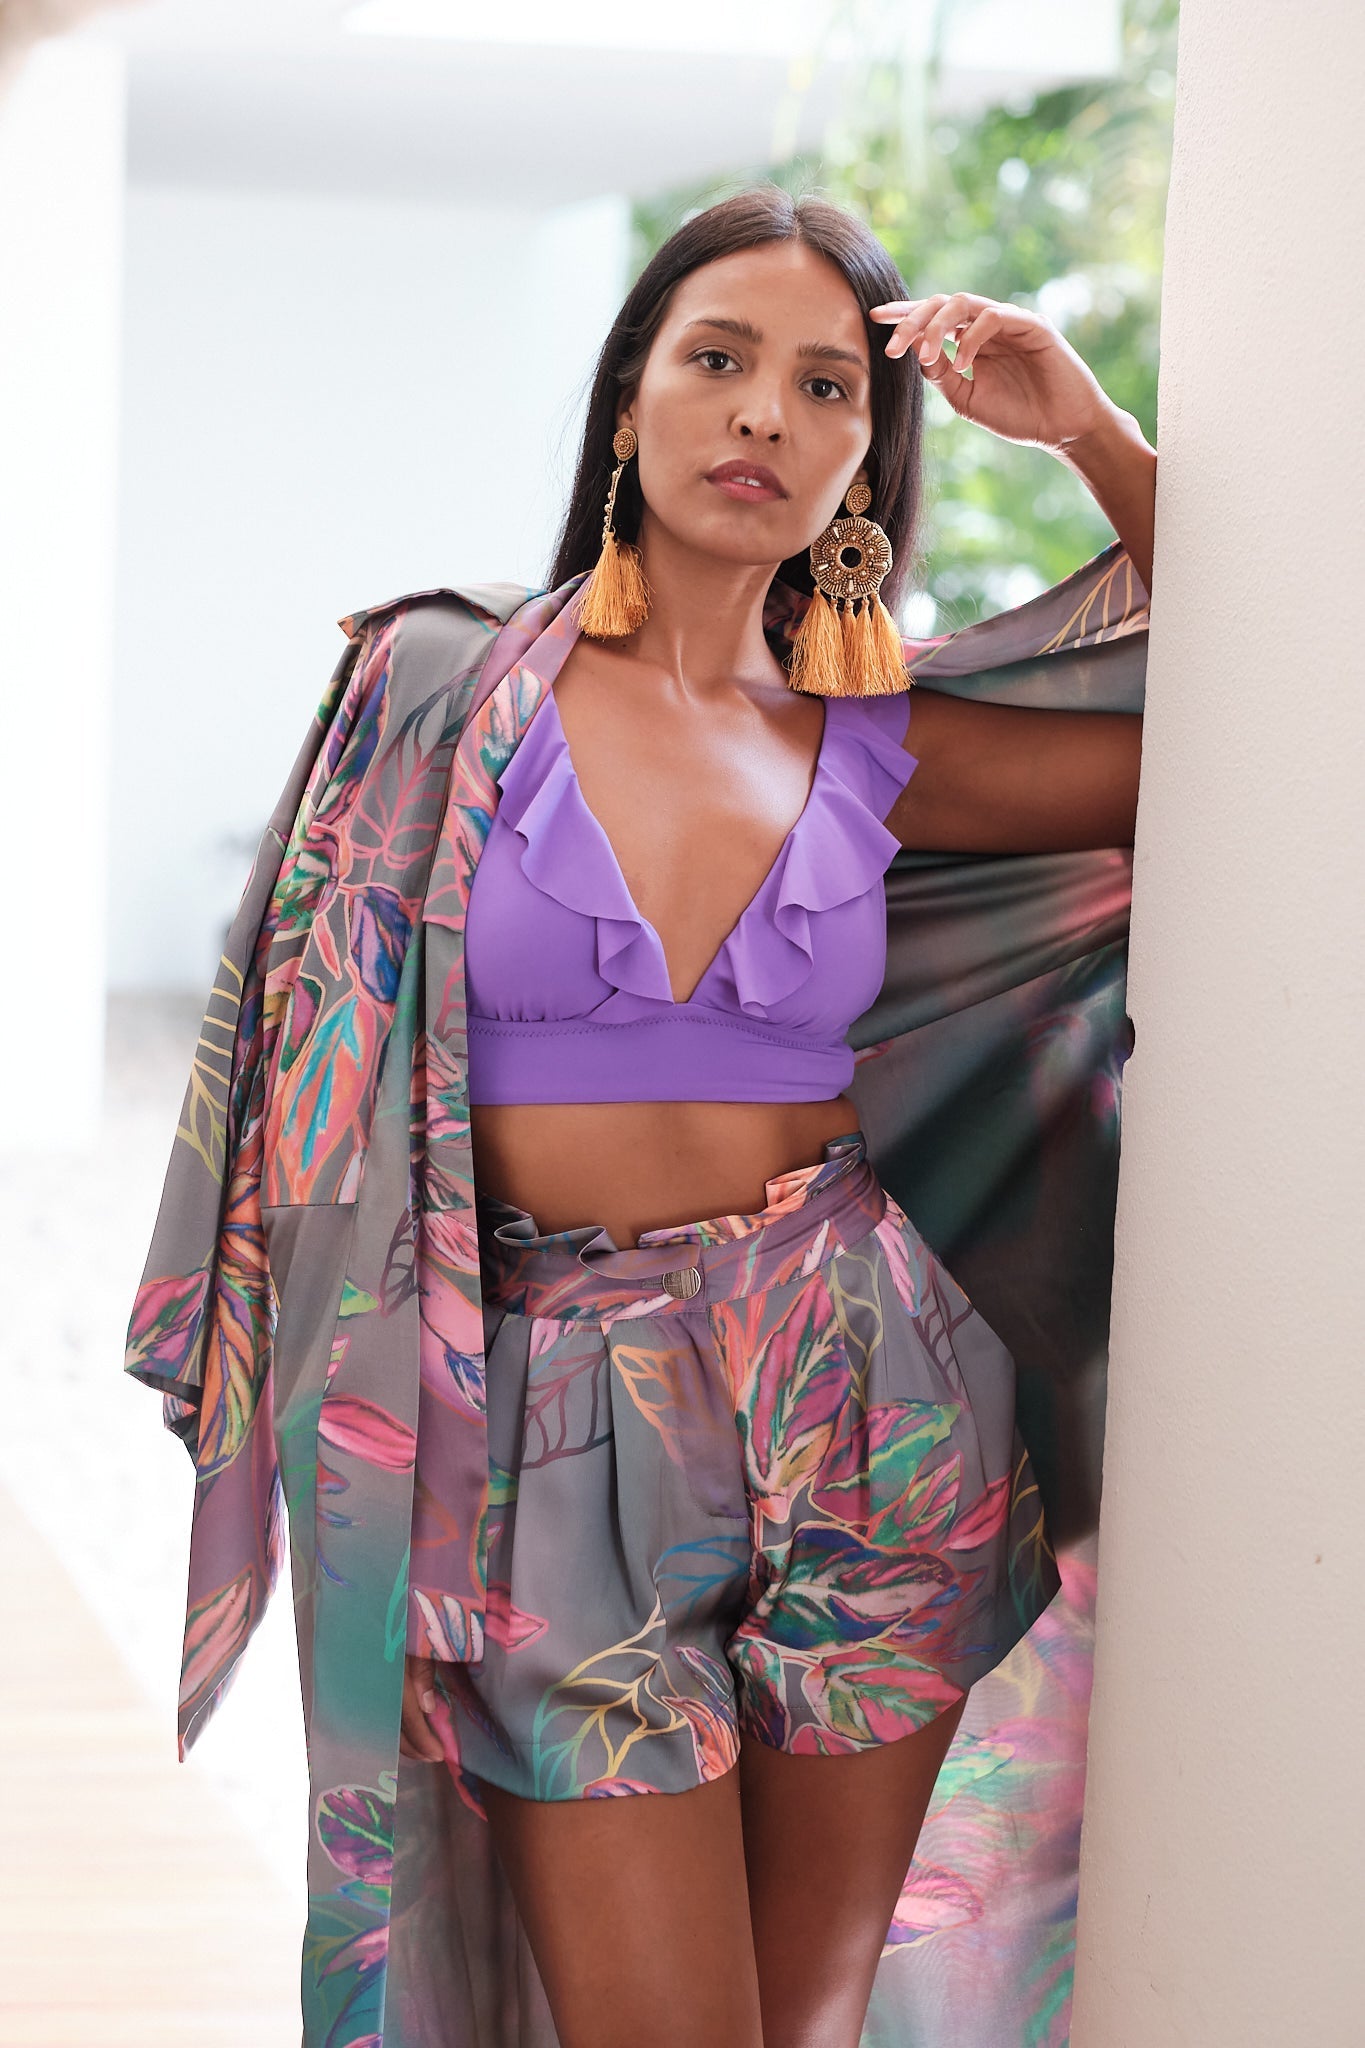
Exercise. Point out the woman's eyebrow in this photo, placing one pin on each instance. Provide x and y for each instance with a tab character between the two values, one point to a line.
744	330
825	351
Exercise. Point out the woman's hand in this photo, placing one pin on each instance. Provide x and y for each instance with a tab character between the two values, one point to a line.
1027	382
417	1738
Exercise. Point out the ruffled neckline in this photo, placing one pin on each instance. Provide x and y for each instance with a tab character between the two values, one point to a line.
836	850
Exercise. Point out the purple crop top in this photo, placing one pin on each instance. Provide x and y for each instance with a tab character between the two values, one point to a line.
568	996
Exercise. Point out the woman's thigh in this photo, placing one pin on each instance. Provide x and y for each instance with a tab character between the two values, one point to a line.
828	1842
637	1912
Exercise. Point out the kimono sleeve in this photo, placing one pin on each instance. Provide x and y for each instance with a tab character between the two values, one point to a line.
989	1067
201	1324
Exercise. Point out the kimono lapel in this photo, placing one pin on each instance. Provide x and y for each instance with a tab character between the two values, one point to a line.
448	1585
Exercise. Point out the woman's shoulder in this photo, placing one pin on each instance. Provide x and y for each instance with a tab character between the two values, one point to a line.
491	603
421	645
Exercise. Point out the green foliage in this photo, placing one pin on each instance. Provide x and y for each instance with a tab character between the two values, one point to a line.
1055	202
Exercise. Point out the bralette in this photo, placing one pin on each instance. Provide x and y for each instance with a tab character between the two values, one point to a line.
568	991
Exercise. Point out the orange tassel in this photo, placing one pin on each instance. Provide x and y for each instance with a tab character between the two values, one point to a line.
838	651
615	596
876	660
818	663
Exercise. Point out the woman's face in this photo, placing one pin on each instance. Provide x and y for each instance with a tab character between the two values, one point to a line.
760	368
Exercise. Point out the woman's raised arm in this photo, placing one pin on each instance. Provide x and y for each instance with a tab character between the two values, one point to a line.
1029	384
996	778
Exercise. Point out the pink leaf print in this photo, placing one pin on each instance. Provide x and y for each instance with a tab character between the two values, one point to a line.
367	1431
325	940
165	1323
236	1349
796	1385
715	1744
364	1952
508	1624
355	1827
878	1475
984	1519
891	1234
871	1693
216	1631
923	1513
932	1900
447	1256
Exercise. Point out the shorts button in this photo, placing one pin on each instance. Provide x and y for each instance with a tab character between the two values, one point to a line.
683	1282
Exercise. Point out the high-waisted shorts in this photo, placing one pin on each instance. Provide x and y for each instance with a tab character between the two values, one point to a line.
758	1474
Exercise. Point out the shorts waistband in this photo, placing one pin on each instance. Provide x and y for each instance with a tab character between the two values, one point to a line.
810	1213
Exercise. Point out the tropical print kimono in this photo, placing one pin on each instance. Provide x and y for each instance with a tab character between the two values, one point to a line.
310	1308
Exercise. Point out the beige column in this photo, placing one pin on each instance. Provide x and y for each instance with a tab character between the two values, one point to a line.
1222	1874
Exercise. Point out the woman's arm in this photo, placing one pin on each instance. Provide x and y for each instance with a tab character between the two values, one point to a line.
1005	778
997	778
1117	463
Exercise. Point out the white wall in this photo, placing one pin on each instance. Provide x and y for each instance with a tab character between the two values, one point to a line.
61	207
326	403
1222	1892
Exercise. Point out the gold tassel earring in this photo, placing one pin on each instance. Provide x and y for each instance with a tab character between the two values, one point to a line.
615	596
848	644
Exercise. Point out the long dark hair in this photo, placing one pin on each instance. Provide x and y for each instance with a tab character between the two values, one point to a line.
747	221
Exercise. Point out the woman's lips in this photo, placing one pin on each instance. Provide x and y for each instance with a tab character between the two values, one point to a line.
748	482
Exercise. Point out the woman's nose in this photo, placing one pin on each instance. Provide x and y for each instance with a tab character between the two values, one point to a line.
765	422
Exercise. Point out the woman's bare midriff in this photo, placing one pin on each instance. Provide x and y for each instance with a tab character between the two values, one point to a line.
635	1166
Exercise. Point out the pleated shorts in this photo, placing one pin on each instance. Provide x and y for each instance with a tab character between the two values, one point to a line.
757	1474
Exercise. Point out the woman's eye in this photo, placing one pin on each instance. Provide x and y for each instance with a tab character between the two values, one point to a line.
825	388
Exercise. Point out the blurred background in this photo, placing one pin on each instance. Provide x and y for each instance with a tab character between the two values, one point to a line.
300	305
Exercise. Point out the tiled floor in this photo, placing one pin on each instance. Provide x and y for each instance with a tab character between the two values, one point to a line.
151	1901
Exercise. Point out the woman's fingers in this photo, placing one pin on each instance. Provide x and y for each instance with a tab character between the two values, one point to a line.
908	317
985	324
925	323
956	311
417	1737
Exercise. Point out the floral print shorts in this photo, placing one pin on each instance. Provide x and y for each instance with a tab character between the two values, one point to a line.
755	1474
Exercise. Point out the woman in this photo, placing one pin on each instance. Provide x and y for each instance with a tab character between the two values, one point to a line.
748	373
708	1330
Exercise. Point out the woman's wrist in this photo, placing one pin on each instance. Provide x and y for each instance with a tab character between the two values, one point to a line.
1117	463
